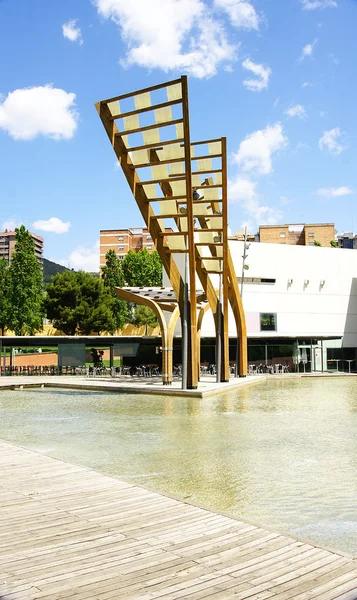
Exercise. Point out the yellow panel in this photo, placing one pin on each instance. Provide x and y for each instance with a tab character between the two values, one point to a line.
125	140
174	92
215	148
174	150
161	223
177	168
210	193
168	208
176	242
192	151
114	107
163	114
131	122
159	172
206	236
204	164
150	190
151	136
143	100
196	180
216	223
218	178
183	224
139	157
178	187
179	130
199	209
212	265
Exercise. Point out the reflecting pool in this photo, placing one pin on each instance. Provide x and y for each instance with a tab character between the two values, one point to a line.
278	453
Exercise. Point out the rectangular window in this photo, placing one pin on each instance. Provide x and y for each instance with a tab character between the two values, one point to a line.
121	248
311	244
311	234
120	238
148	237
282	234
121	256
268	322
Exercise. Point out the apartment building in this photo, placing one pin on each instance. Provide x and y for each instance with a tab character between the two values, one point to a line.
347	240
123	240
7	245
298	234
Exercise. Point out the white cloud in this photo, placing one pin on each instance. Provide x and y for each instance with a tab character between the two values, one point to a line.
172	35
71	32
241	13
52	225
308	50
334	192
334	59
243	192
329	141
296	111
323	113
29	112
11	224
255	152
85	259
307	84
262	73
314	4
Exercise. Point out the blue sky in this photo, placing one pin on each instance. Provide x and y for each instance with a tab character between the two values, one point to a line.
277	77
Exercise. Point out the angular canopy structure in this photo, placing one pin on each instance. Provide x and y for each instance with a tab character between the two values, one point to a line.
183	185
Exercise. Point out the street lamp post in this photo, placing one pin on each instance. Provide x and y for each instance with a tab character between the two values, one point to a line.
245	268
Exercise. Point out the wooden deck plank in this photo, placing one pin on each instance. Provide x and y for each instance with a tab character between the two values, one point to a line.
67	532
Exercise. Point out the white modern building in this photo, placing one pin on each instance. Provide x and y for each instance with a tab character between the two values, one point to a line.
300	304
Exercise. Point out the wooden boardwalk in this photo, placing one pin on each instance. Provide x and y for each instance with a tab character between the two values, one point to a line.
67	532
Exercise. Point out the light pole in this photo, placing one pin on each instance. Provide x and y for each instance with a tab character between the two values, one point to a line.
245	268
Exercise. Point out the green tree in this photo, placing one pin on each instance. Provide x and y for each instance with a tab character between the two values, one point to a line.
78	303
4	296
334	244
26	294
316	243
143	315
142	268
112	275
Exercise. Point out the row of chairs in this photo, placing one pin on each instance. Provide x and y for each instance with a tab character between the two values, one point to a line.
271	369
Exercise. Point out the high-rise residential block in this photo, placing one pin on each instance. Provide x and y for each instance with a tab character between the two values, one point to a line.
7	245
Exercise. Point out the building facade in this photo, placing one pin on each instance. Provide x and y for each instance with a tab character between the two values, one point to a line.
123	240
300	305
298	234
347	240
7	245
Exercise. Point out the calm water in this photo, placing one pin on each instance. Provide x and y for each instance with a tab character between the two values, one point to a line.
282	454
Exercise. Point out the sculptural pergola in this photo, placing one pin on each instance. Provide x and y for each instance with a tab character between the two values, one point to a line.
183	185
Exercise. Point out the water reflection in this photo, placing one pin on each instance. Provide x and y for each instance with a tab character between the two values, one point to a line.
281	453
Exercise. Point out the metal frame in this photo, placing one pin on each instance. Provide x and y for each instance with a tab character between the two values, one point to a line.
166	194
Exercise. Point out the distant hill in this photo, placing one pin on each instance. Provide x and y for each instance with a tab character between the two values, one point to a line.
50	269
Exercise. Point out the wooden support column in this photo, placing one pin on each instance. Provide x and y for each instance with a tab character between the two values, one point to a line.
238	311
224	262
192	372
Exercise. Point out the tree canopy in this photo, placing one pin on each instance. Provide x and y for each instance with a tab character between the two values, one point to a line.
112	275
26	294
142	268
78	303
143	315
4	296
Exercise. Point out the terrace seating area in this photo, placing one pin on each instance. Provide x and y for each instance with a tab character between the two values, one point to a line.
271	369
